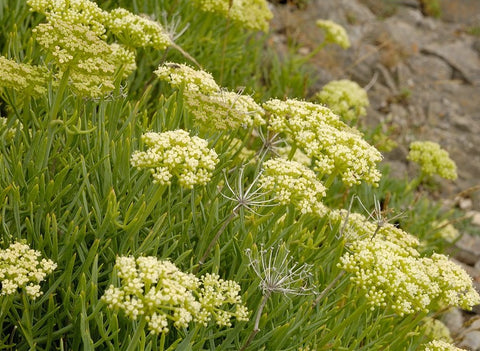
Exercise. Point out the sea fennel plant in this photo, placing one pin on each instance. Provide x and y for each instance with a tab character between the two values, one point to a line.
149	205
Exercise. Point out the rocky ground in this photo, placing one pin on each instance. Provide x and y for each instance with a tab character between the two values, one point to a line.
423	76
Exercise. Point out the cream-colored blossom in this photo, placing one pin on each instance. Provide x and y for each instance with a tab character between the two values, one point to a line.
223	110
23	268
432	159
178	75
397	277
434	329
344	97
293	183
176	153
158	291
22	77
334	33
137	31
356	226
251	14
439	345
331	144
445	230
216	296
76	12
213	107
91	63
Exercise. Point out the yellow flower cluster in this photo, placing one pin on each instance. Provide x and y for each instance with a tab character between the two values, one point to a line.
396	276
21	267
334	33
178	75
91	63
445	230
22	77
432	159
160	292
223	110
137	31
251	14
436	330
439	345
176	153
346	98
212	107
331	144
358	227
293	183
83	12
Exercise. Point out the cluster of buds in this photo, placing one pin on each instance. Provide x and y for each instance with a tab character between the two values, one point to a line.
161	293
22	268
432	159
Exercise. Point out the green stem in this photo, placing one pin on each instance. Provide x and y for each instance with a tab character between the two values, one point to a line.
59	95
292	152
313	53
328	288
255	329
136	337
201	261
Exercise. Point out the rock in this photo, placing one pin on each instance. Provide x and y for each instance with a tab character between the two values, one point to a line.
429	67
464	203
471	341
475	216
461	56
453	319
362	63
468	249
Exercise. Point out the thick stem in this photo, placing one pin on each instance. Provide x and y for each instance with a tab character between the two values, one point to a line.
201	261
186	54
328	288
257	321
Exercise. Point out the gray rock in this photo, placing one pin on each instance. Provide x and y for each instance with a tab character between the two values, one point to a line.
461	56
469	249
471	341
428	67
475	216
454	320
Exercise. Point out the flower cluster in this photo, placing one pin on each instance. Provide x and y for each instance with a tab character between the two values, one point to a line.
330	143
91	62
334	33
179	75
445	230
293	183
137	31
176	153
436	330
346	98
216	294
356	226
160	292
439	345
251	14
76	12
396	276
223	110
22	77
432	159
21	267
211	106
